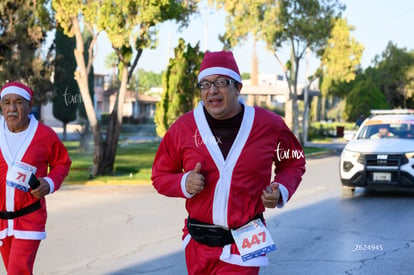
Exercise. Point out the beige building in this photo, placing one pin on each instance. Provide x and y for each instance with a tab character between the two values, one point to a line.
137	108
270	91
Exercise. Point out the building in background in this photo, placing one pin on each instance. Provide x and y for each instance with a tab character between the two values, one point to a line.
138	108
271	91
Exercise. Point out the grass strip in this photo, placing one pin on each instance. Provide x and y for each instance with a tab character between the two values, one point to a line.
133	163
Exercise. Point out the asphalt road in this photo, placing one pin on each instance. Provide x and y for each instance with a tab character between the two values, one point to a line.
134	230
319	232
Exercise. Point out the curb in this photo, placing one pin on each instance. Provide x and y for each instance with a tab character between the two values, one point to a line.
327	153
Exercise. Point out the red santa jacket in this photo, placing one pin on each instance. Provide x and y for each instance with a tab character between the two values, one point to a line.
233	187
43	150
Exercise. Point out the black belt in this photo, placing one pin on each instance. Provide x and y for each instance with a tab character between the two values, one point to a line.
210	234
6	215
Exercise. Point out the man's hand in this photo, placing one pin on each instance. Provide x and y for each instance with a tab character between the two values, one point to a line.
195	181
42	190
271	195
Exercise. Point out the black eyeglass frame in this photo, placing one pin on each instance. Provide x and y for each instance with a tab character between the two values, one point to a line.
225	82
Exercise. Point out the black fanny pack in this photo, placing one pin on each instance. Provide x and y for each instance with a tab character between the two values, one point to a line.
6	215
210	234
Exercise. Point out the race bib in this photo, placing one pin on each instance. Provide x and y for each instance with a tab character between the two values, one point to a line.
18	175
253	240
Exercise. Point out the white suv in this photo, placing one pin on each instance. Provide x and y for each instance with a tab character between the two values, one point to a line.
381	153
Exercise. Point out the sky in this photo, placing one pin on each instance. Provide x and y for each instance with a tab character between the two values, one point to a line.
376	23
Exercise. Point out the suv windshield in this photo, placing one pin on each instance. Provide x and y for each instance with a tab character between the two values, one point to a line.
387	130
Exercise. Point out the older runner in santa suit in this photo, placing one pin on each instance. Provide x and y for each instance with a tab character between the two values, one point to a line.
219	158
33	163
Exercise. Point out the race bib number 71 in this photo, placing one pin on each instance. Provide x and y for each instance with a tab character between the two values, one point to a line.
18	175
253	240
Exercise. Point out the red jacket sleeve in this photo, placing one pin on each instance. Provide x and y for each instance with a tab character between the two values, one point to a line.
167	170
289	160
58	159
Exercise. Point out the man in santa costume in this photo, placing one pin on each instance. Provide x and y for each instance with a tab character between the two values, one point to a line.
33	163
219	158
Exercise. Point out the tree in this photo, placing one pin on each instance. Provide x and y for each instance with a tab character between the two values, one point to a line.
339	63
363	97
181	93
67	97
301	24
142	81
23	27
148	80
131	27
341	57
394	75
85	132
111	62
409	88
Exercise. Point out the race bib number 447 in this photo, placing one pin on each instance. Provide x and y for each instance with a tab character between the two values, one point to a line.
253	240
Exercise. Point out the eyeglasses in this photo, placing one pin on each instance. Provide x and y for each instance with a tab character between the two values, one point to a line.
218	83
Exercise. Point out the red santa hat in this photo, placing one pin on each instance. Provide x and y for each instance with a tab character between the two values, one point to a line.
18	89
222	63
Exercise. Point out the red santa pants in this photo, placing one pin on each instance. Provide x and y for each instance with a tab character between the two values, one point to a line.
19	255
202	259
